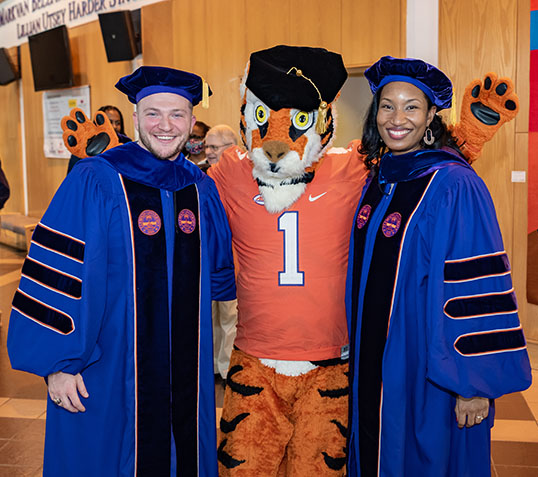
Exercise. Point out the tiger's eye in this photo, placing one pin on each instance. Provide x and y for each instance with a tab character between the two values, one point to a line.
302	120
261	115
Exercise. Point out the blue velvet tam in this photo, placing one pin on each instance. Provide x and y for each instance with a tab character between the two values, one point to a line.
429	79
148	80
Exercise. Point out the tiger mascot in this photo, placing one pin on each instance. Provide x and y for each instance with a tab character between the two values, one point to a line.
290	201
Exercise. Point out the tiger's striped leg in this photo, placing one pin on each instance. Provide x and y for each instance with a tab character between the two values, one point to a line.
320	415
254	429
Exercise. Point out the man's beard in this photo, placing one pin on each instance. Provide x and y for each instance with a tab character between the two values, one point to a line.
144	139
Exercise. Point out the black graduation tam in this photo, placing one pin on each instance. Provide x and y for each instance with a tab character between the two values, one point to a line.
148	80
295	76
429	79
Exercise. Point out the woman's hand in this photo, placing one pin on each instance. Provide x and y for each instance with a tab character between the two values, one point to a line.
64	391
471	411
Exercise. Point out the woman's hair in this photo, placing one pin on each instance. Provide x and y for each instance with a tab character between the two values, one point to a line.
373	147
203	126
109	107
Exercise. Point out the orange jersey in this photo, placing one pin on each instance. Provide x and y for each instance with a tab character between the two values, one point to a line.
292	265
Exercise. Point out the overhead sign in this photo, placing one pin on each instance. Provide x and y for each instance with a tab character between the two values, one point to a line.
22	18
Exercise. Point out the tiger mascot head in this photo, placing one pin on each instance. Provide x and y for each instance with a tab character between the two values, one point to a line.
287	117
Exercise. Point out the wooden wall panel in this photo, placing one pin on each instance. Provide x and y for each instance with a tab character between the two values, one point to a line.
10	145
527	312
519	255
157	37
523	60
268	23
310	24
226	56
188	35
371	30
476	37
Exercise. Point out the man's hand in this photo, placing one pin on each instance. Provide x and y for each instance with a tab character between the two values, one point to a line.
64	389
471	411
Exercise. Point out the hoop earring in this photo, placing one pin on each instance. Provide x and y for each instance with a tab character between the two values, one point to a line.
429	138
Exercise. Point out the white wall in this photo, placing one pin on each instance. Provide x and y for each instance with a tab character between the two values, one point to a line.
423	30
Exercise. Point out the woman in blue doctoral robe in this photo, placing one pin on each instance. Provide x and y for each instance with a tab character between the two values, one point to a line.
435	334
117	286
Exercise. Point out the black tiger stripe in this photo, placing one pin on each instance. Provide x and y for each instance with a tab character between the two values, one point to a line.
58	242
226	459
478	267
465	307
263	129
229	426
242	124
52	278
334	463
334	393
341	428
42	313
239	388
490	342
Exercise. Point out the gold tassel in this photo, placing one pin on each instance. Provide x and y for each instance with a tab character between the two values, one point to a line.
453	110
321	123
205	94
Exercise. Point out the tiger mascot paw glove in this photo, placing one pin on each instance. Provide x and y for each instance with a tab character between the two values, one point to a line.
84	138
486	106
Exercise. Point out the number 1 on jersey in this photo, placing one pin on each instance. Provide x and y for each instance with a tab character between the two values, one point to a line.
288	223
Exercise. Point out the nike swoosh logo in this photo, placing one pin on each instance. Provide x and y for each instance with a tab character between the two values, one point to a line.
312	199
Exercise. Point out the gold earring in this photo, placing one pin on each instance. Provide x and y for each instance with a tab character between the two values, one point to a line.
429	138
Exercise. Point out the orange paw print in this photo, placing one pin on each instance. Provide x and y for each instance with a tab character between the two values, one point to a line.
84	138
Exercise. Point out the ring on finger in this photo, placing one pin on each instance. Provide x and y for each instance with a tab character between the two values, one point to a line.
479	418
57	401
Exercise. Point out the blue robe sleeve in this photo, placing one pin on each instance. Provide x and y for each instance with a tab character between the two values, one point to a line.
476	345
219	243
58	308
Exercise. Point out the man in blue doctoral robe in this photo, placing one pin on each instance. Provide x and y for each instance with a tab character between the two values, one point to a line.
114	302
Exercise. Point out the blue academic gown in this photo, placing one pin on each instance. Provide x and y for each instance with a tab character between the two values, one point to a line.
117	286
432	314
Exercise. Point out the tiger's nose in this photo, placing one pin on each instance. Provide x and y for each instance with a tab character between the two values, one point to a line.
275	150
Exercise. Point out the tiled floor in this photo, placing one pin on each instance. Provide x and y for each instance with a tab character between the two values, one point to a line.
22	407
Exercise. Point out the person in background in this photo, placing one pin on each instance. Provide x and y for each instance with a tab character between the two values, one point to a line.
116	119
194	148
114	303
434	330
217	139
4	188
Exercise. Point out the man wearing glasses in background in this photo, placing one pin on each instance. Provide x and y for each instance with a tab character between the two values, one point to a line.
217	139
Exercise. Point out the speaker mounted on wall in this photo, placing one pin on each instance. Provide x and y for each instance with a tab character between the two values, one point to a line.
8	71
119	32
